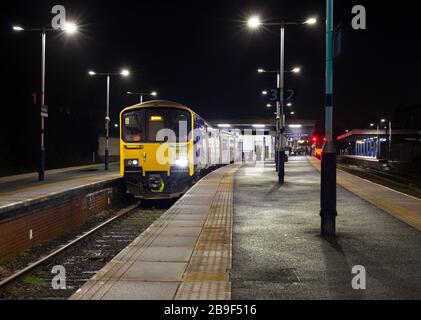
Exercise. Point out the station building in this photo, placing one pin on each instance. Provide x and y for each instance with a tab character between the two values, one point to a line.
398	145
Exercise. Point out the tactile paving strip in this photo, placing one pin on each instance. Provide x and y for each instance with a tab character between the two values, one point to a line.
207	274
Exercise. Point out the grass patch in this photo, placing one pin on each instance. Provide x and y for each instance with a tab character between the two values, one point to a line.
33	281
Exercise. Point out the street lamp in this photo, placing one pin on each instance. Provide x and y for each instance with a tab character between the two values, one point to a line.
69	28
108	75
141	94
254	23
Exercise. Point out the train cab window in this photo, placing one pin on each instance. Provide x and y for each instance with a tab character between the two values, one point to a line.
132	127
156	121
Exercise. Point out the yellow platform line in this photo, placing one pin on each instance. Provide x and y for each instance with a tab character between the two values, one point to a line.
395	209
207	276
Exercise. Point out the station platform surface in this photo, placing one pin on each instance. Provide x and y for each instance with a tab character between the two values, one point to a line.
21	190
239	235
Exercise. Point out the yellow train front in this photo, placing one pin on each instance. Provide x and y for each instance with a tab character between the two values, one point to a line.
165	147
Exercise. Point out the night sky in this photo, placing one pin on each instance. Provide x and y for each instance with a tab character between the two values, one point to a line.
201	54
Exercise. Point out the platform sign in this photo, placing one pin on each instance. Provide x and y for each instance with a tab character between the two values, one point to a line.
290	95
274	95
44	111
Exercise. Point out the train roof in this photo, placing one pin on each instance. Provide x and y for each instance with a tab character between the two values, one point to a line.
163	103
158	103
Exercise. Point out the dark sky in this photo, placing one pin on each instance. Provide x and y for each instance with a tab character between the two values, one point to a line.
199	53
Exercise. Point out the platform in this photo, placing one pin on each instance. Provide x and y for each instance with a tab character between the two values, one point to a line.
32	212
184	255
239	235
22	190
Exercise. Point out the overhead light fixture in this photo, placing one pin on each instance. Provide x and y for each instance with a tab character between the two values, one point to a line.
224	125
311	21
295	126
125	73
17	28
70	28
92	73
259	126
254	22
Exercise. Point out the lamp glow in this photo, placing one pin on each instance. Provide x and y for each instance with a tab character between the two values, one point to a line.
254	22
70	28
17	28
311	21
125	73
92	73
296	70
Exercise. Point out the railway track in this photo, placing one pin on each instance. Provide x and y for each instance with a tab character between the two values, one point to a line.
81	258
387	179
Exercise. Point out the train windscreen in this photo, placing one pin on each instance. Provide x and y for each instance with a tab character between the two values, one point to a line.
156	125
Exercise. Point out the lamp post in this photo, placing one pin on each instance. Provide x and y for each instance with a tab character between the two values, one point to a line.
141	94
254	23
108	75
69	28
328	201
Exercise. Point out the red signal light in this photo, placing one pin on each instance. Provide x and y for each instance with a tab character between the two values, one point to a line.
314	139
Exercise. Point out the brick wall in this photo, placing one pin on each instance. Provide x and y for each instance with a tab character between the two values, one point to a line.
41	222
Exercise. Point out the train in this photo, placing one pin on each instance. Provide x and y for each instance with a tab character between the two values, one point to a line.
165	147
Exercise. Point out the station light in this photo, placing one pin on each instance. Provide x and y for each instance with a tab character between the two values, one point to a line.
295	126
224	125
254	22
289	104
261	70
125	73
269	105
296	70
311	21
259	126
292	113
18	28
154	93
70	28
92	73
265	93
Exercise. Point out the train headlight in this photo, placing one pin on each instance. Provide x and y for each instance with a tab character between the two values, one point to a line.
132	163
181	162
